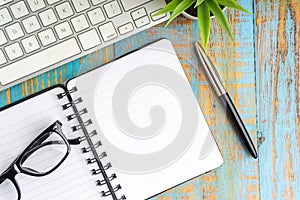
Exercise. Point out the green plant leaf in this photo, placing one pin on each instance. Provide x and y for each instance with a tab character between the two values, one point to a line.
168	8
198	3
204	23
220	17
233	4
179	9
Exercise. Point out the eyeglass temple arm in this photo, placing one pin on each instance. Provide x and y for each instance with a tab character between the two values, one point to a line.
75	141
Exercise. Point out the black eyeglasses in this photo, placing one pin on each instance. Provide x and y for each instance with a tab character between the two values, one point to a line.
44	155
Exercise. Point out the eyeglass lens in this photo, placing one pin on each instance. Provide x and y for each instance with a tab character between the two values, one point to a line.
45	154
8	190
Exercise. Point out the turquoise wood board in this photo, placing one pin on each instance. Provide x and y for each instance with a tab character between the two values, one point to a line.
278	93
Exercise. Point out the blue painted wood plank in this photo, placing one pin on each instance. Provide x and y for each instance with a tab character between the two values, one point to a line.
277	80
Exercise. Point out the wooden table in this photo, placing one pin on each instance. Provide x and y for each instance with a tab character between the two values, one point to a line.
261	70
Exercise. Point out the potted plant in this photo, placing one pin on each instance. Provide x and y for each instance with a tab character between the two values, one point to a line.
205	10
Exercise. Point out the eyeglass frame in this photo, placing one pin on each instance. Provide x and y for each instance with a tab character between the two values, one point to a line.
16	168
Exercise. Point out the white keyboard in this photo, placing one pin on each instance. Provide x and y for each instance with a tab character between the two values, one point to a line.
39	35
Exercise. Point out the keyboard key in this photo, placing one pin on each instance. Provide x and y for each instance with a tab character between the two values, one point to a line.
64	10
138	13
14	31
81	5
96	16
4	16
89	39
3	39
79	23
63	30
108	31
157	17
52	1
48	17
47	37
126	28
19	9
96	2
130	4
31	24
2	58
36	5
112	9
30	44
142	22
13	51
3	2
39	61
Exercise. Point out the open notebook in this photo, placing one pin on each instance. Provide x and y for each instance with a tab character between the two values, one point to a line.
145	132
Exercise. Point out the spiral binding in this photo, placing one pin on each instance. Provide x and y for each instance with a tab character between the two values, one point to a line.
77	114
82	125
88	149
68	105
62	95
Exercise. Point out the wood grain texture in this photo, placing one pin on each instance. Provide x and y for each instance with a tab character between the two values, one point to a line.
261	72
277	72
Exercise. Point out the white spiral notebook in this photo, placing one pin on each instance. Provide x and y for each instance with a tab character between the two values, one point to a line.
144	131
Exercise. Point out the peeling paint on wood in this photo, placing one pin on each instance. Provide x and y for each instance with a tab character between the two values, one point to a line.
277	82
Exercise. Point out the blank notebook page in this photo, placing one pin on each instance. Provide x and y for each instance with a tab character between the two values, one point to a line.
19	125
149	121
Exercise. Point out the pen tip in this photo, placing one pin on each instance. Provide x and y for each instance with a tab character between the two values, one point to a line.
254	154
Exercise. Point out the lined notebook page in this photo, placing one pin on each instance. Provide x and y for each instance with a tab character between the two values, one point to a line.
19	125
149	121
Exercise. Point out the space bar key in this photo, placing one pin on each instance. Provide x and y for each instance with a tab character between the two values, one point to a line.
39	61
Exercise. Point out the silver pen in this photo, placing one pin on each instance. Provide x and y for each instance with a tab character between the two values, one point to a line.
217	84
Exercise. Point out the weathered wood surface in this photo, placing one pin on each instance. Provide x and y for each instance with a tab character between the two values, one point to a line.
261	73
278	93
